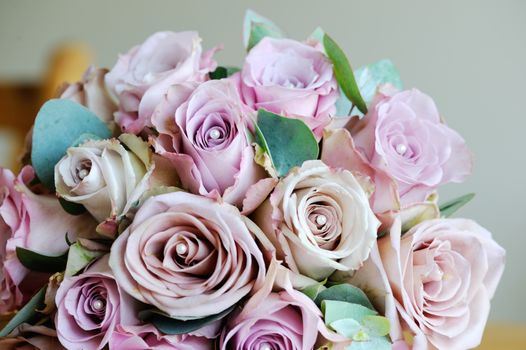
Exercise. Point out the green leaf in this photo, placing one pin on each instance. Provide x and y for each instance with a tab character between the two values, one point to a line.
377	326
223	72
346	327
256	27
41	263
334	310
79	257
59	124
343	73
344	292
72	208
375	343
449	208
168	325
314	290
288	142
27	314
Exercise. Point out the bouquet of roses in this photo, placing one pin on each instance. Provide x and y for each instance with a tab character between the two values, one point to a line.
172	203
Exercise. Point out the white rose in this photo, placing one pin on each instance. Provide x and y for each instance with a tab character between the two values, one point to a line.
104	176
319	220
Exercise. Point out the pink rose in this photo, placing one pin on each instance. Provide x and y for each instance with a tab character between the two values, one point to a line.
90	306
33	221
207	140
290	78
91	92
404	136
285	320
442	275
188	255
141	77
148	337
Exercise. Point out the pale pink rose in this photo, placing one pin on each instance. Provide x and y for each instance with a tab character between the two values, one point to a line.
285	320
141	77
403	135
28	337
147	337
90	306
319	220
33	221
290	78
92	93
443	274
207	139
188	255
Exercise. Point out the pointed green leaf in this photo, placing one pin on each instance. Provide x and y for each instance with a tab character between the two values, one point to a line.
79	257
344	292
59	124
449	208
343	73
27	314
41	263
256	27
314	290
376	326
288	142
168	325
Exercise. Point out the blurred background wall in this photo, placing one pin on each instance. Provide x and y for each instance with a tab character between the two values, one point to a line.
469	55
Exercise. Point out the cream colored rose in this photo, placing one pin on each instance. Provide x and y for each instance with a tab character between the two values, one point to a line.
105	176
319	220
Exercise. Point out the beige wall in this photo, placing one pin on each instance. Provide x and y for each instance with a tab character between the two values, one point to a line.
469	55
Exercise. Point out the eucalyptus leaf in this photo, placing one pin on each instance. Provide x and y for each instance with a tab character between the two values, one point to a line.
334	310
256	27
42	263
27	314
347	327
343	73
60	124
344	292
449	208
168	325
289	142
375	343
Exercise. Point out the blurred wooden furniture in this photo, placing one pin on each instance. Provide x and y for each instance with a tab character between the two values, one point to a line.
20	102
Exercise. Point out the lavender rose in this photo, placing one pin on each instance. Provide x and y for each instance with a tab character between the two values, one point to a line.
90	306
147	337
319	220
443	274
291	78
141	77
285	320
207	140
187	255
404	136
92	93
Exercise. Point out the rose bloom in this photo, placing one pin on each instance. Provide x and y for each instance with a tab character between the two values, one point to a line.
92	93
285	320
290	78
28	337
403	135
319	220
90	306
443	274
147	337
104	175
188	255
141	77
207	140
35	222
